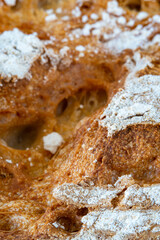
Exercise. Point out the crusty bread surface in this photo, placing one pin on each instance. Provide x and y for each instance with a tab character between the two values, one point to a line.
80	119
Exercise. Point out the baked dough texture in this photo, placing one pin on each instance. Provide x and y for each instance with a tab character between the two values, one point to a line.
79	119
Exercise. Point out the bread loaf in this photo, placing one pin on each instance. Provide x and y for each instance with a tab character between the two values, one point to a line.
79	119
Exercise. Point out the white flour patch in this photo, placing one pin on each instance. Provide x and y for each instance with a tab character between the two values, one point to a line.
131	39
91	196
18	51
141	196
138	103
122	224
52	141
114	8
10	2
